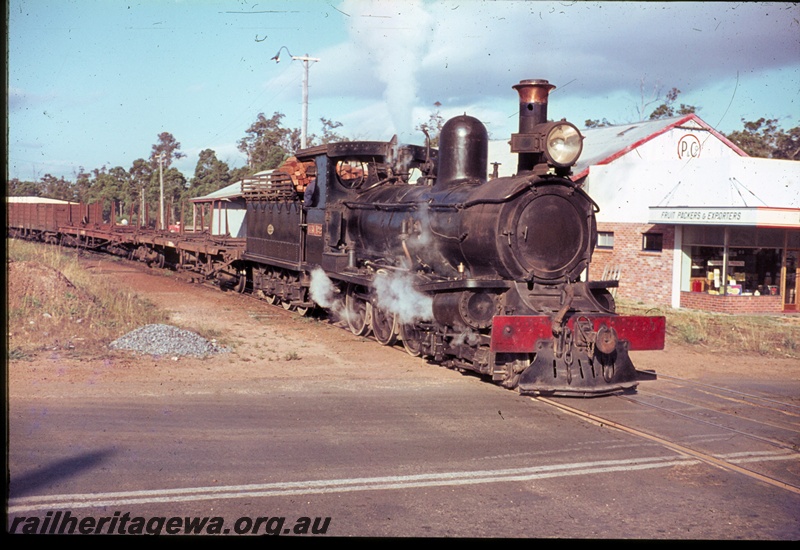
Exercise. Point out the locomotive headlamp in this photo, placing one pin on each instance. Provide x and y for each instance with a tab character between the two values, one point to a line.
559	144
563	144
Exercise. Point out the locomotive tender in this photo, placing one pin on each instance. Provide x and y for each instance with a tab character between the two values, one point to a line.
415	244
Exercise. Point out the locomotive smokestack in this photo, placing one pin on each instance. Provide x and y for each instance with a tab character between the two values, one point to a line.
533	96
532	103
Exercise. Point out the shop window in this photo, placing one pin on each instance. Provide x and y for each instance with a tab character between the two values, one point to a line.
750	271
605	240
652	242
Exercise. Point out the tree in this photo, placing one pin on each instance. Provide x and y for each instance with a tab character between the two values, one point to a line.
17	188
293	137
267	143
667	109
328	134
591	123
126	191
764	138
168	145
210	174
293	141
168	149
102	188
433	126
141	173
57	188
240	173
788	145
174	187
83	183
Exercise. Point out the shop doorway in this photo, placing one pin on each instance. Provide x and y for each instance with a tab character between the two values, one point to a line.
791	278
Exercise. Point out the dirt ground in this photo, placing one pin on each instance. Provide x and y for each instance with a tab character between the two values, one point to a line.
268	343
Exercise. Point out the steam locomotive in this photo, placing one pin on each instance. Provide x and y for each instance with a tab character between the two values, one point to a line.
417	245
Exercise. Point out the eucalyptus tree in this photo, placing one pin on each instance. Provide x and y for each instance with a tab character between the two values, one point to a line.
267	143
329	135
169	146
19	188
57	188
141	173
433	126
210	174
765	138
174	188
83	185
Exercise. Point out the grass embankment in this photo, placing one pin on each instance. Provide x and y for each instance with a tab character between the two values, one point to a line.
768	335
53	303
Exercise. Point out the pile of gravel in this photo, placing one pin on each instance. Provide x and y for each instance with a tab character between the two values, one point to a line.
166	340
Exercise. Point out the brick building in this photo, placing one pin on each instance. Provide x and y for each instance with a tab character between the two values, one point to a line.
687	219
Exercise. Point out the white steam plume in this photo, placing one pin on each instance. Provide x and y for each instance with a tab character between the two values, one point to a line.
396	294
423	226
393	292
467	336
395	37
323	292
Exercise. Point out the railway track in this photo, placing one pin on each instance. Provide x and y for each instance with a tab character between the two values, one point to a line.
781	418
754	430
750	417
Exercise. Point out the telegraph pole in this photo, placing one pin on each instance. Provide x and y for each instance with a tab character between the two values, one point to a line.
306	64
161	180
141	209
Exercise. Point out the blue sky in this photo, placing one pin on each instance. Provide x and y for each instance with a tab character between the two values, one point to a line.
92	83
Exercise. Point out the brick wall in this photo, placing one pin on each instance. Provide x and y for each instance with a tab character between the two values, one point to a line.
644	276
731	304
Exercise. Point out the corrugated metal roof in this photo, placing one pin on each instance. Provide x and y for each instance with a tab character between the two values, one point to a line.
606	144
229	192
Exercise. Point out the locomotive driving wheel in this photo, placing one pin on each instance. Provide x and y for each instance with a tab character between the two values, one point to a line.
384	326
412	339
358	311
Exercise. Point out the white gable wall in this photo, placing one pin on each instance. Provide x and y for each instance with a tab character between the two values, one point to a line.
228	217
678	144
625	190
